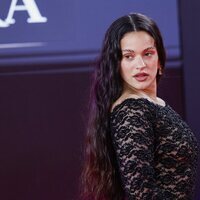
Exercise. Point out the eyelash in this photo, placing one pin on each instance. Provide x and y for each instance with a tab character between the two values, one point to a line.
129	57
148	54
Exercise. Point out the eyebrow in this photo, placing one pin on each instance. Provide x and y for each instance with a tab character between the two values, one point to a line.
132	51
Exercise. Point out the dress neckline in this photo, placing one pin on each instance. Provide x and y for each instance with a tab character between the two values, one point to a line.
117	106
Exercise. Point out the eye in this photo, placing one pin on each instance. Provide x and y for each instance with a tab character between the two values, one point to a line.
148	54
128	56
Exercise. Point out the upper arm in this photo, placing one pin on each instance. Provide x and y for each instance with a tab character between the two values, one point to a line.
133	138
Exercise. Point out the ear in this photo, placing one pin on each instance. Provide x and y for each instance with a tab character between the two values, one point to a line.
160	69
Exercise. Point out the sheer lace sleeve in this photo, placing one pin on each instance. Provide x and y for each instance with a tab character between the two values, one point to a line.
133	138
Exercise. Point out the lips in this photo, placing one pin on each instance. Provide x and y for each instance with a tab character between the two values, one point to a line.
141	76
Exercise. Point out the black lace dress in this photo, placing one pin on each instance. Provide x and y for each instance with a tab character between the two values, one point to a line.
156	151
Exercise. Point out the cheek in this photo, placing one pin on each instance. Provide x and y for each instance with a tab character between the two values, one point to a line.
154	65
125	70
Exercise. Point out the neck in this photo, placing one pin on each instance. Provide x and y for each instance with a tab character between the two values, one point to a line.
148	93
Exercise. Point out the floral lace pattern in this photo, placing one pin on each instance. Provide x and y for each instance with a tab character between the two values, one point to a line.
156	151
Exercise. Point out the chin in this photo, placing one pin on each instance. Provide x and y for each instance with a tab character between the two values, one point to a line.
142	86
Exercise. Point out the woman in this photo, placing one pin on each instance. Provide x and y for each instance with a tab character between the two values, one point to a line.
137	146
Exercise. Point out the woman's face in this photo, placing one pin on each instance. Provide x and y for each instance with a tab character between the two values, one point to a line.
140	63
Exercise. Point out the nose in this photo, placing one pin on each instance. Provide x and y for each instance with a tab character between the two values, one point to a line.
140	62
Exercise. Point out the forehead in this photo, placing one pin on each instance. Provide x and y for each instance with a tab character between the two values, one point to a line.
137	41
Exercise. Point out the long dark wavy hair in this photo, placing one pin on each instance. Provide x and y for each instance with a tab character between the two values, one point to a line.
100	177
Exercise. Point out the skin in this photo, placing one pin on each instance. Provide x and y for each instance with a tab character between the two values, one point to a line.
139	67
